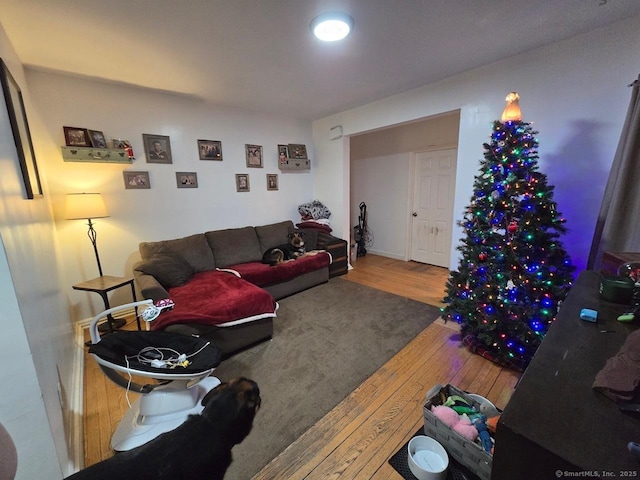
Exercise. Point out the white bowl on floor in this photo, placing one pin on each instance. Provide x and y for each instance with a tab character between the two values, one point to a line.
487	408
427	458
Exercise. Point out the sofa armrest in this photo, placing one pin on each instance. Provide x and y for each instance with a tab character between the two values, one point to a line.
148	285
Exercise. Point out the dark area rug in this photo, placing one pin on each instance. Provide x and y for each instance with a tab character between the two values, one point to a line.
327	340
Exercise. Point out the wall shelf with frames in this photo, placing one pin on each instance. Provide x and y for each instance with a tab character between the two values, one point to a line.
95	155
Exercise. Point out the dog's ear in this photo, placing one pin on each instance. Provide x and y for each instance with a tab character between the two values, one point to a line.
249	395
213	393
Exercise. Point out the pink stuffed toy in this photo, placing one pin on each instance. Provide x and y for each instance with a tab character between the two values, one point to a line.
458	423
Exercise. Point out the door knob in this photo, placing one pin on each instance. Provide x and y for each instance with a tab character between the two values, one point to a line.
415	214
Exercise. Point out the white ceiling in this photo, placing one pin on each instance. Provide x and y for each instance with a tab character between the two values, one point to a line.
260	55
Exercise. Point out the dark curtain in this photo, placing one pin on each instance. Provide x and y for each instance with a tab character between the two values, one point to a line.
618	225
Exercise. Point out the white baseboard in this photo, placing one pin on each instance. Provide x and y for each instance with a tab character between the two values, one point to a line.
387	254
76	398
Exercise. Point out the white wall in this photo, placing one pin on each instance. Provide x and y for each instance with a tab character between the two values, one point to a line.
36	344
164	211
382	184
575	93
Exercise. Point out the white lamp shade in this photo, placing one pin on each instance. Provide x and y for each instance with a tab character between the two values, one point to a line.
85	205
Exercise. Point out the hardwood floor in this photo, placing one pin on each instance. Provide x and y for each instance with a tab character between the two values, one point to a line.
357	438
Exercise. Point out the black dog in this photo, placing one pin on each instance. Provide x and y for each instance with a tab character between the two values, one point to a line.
288	251
199	448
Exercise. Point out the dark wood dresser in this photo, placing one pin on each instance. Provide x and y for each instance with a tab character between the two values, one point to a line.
555	424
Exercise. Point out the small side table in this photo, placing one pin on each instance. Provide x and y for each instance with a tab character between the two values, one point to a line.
102	285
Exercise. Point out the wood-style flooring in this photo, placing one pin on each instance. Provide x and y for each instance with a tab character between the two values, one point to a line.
356	439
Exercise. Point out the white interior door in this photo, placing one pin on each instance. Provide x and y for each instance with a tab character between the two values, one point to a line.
432	214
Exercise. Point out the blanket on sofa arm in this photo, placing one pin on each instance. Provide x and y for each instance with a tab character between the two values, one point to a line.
235	301
264	275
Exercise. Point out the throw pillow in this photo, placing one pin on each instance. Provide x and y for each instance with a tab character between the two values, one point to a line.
170	270
194	249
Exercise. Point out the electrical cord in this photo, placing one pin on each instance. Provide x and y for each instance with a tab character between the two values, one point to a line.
155	357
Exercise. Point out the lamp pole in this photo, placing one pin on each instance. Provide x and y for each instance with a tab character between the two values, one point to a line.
93	236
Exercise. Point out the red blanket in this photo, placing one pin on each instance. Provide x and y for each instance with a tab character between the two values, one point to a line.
216	297
264	275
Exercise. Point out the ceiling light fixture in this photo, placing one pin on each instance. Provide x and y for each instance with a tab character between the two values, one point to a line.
331	27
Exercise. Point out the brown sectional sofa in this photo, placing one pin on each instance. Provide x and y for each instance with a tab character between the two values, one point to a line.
220	288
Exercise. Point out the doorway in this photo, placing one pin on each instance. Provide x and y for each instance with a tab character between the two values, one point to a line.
382	175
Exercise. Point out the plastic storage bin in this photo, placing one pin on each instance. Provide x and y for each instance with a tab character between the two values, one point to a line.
469	454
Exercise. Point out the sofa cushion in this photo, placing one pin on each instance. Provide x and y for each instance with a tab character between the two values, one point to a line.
194	249
169	269
234	245
273	234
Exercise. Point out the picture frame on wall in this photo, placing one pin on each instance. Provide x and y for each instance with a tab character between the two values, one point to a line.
21	134
242	182
157	148
272	181
136	180
254	155
76	137
97	139
187	179
283	153
210	149
297	151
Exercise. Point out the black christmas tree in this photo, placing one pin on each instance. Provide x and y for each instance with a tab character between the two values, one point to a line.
514	271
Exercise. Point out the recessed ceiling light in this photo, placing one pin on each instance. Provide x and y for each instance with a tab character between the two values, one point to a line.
331	27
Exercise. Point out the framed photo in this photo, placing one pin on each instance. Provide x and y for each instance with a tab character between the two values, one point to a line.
242	182
136	180
97	139
76	137
254	155
272	181
297	151
283	153
157	148
21	133
187	179
210	149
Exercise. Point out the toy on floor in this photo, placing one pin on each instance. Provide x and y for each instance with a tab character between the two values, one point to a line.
458	423
480	423
460	405
464	418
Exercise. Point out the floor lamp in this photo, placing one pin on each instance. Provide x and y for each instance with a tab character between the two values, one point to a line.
81	206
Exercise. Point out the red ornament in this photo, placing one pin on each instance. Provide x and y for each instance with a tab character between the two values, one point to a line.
513	227
482	257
